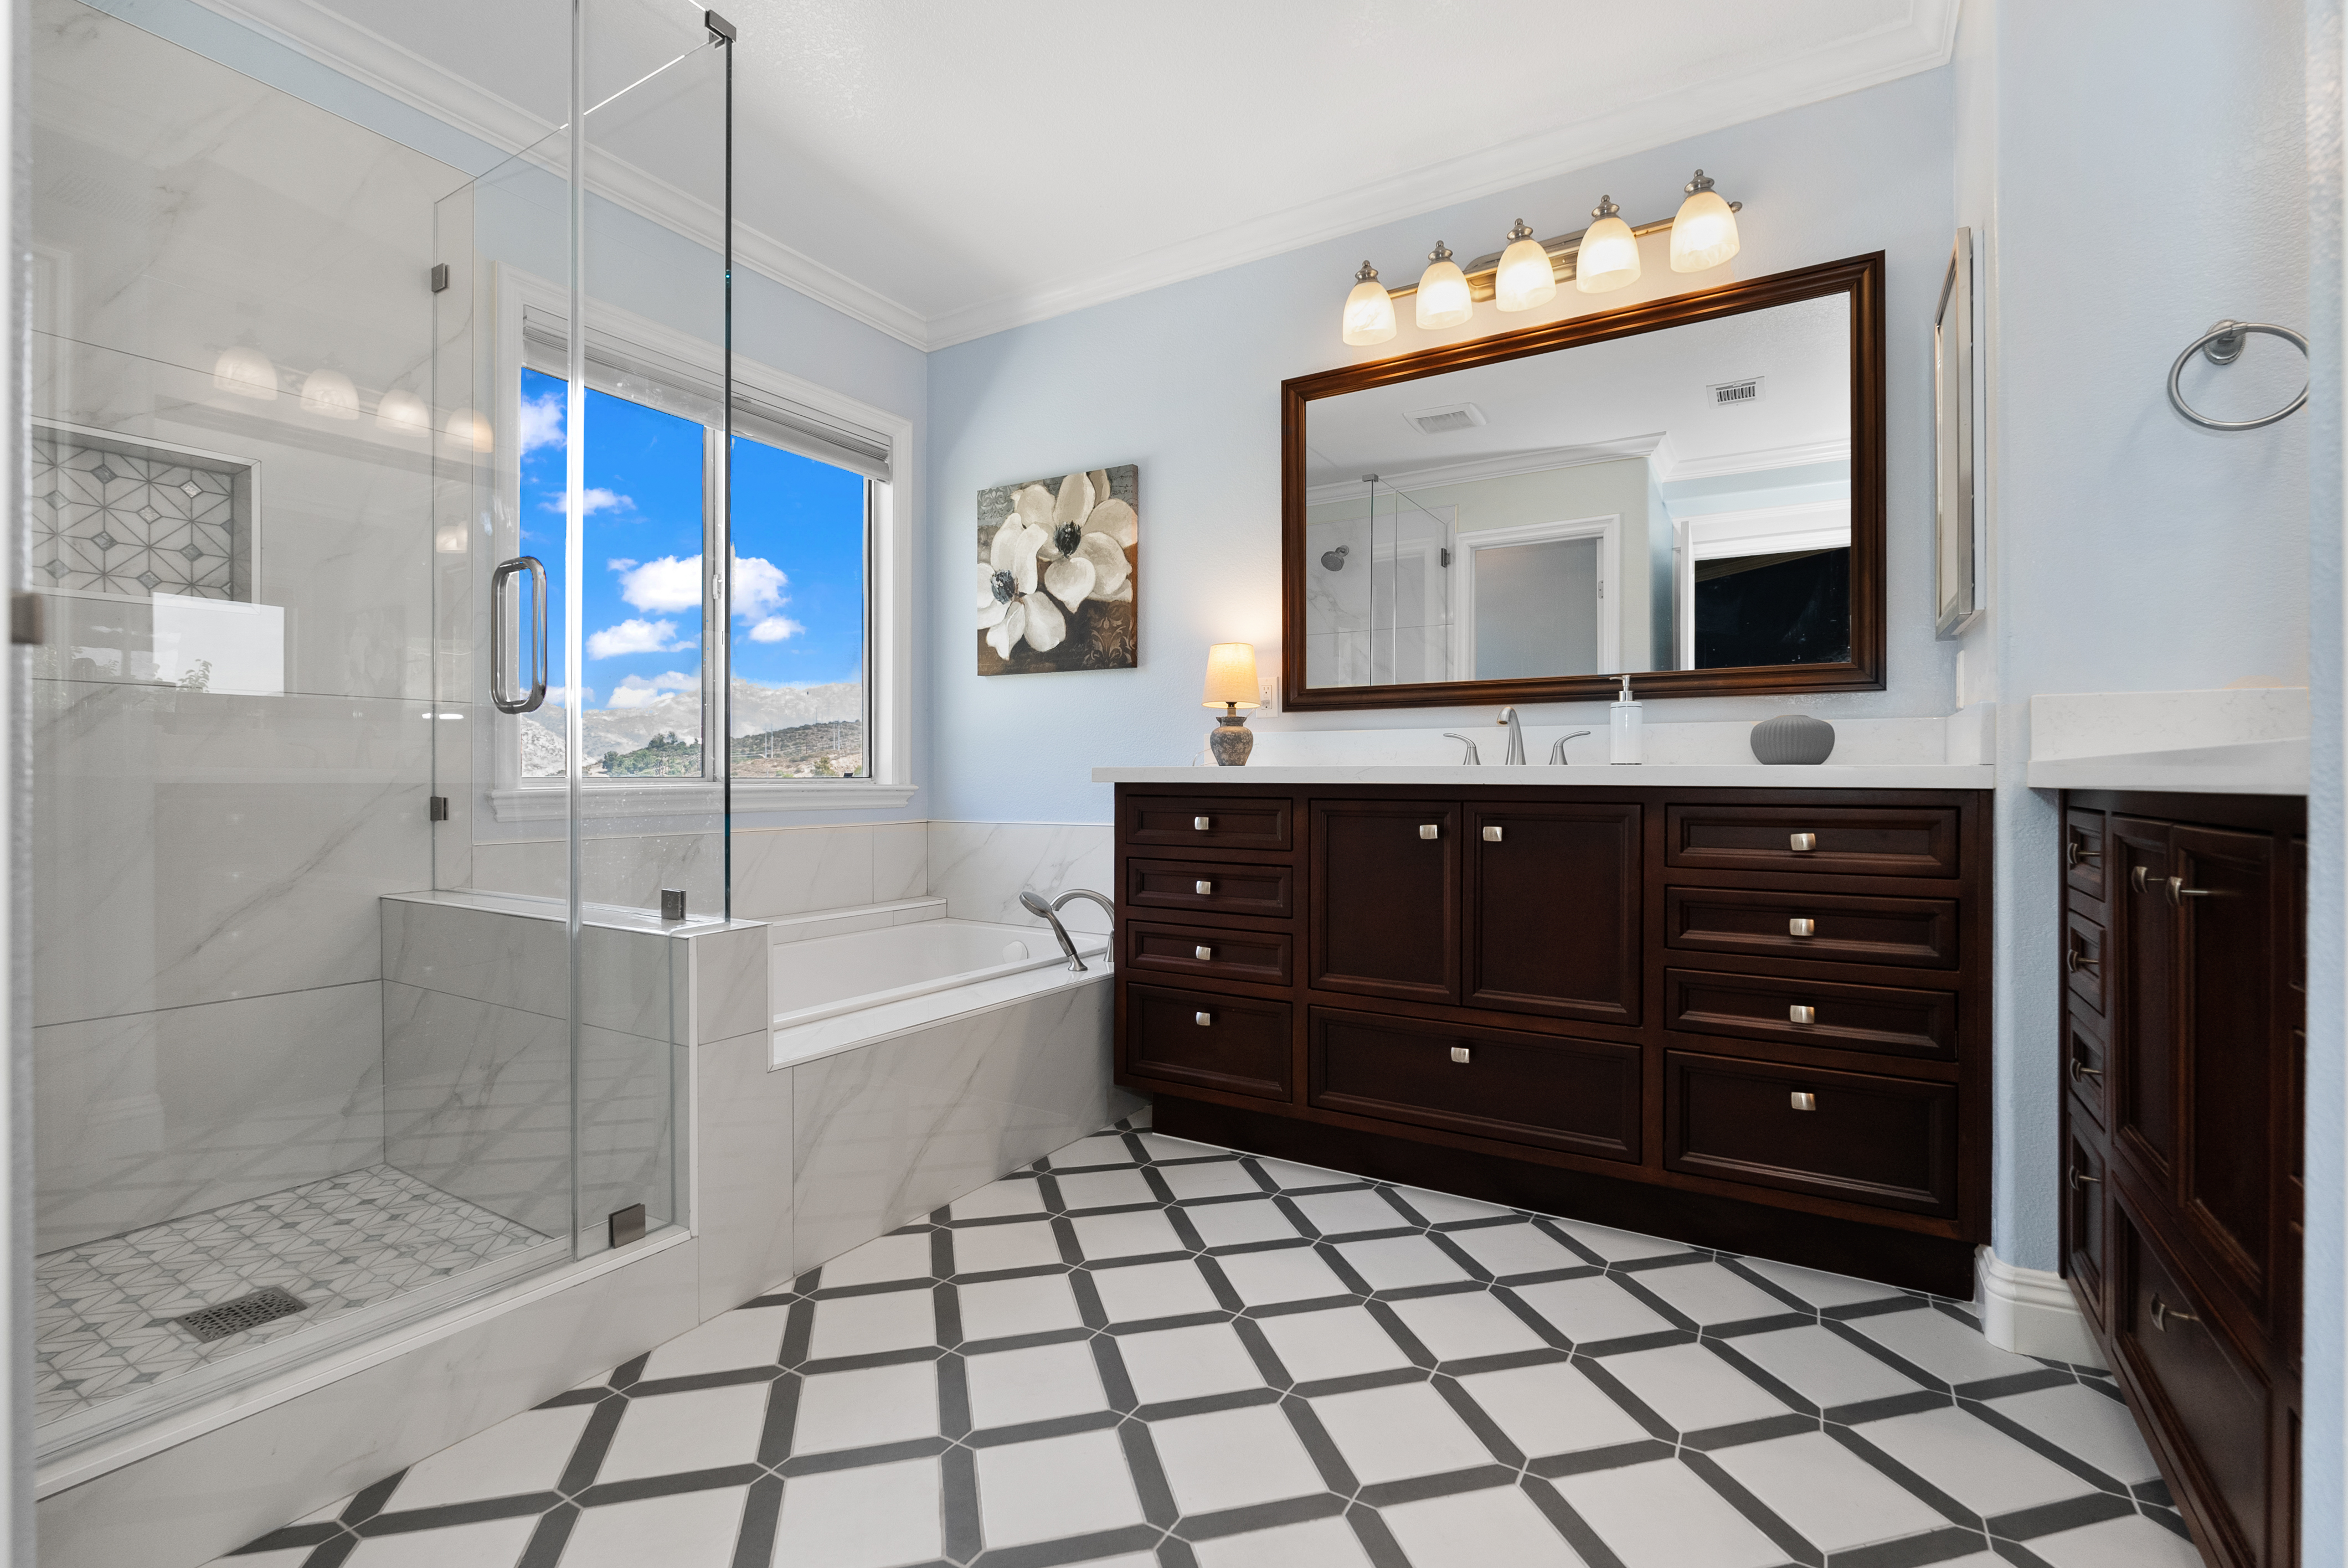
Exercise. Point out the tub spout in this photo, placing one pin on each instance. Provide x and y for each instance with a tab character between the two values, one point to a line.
1048	910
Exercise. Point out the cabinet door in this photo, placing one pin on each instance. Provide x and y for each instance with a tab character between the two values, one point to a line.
1553	910
1386	899
2082	1226
2235	1048
2142	1074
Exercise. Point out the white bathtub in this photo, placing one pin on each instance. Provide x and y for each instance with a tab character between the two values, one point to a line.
832	993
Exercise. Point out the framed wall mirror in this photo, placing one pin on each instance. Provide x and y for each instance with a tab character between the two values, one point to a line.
1689	490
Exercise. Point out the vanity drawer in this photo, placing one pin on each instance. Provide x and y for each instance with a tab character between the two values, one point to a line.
1580	1095
1889	1142
1204	887
2083	851
1209	953
1839	840
1209	822
1836	928
1242	1047
2085	1061
1827	1013
2084	951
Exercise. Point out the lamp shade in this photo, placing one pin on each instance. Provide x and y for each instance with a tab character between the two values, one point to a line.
1704	232
402	413
1610	252
1230	675
1369	309
1524	277
246	372
331	393
1443	298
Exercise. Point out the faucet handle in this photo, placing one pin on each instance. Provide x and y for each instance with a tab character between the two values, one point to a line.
1557	758
1471	760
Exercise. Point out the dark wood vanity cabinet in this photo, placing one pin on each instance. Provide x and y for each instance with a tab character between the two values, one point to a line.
1748	1019
2184	1048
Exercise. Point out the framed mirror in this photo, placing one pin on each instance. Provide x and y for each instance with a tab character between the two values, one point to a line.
1689	490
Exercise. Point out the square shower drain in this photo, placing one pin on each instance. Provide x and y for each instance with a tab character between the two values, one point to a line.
265	1306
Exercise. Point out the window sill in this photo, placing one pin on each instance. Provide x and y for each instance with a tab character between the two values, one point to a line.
603	800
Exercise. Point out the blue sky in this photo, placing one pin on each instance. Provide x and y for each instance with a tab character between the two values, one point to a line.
798	536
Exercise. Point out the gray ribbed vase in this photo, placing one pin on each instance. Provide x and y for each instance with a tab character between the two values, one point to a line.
1793	738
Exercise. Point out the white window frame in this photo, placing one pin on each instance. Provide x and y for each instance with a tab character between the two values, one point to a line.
1760	531
1607	530
889	597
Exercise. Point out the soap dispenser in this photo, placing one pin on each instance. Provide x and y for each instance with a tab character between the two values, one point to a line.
1624	741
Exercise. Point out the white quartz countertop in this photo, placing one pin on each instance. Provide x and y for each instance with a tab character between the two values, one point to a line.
2245	742
1601	775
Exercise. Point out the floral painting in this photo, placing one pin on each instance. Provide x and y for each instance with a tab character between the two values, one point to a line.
1055	573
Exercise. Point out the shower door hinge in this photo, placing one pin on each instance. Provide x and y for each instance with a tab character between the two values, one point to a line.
439	277
26	627
440	807
719	27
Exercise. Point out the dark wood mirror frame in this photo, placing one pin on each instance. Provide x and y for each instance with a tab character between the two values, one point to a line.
1860	277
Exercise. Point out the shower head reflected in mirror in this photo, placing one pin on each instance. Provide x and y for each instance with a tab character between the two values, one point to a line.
1334	561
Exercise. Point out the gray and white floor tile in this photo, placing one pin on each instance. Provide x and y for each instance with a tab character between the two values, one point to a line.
1146	1353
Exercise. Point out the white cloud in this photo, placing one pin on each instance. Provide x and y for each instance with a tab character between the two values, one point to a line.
757	589
619	563
776	628
560	696
668	583
592	501
636	637
542	422
639	691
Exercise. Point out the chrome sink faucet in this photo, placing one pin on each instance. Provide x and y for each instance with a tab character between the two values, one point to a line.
1557	757
1516	753
1048	910
1472	759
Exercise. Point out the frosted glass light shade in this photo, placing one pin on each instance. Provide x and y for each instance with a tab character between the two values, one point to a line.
1230	676
402	413
1369	309
1524	277
331	393
469	429
1443	299
246	372
1704	234
1610	252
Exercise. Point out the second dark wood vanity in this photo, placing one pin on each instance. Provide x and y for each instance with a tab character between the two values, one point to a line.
1751	1018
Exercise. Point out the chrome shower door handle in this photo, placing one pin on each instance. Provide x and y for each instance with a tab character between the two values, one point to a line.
499	636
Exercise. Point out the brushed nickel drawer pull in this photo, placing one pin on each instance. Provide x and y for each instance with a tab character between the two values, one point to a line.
2163	1313
2075	850
1802	1102
1202	823
2079	1180
1202	953
1798	1013
1202	889
1429	829
1801	927
1491	836
2081	1070
2074	958
2178	892
1203	1019
1803	843
1459	1053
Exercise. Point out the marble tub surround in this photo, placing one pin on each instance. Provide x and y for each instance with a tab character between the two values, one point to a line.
777	871
864	917
1141	1351
2248	741
979	867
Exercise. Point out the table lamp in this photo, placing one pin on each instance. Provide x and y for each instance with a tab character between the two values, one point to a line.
1231	681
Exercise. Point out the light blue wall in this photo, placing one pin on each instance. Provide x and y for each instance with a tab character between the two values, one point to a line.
1185	382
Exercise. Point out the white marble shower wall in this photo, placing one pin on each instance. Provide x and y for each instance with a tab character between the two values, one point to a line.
208	848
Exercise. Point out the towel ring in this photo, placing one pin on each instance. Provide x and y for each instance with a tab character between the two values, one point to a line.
2222	344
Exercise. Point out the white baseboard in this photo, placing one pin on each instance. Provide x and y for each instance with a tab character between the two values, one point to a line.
2031	1312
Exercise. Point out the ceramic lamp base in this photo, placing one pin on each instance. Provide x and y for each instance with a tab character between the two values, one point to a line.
1231	740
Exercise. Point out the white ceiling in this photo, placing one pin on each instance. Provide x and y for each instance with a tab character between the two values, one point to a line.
946	169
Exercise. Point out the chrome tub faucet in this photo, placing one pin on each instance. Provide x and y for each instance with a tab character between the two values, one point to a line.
1048	910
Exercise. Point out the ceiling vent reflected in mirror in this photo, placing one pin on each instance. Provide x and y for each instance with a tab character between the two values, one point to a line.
1443	421
1729	393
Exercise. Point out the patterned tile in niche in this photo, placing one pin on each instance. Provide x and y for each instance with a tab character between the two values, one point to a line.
134	523
1284	1434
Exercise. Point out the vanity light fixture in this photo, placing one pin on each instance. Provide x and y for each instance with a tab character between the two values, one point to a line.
402	413
1704	234
1608	257
1369	309
470	430
1524	277
1231	681
330	392
247	371
1443	297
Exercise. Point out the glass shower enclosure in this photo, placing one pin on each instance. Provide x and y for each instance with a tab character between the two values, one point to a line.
343	1013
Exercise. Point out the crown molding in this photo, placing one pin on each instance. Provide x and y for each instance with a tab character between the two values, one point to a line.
1505	465
1800	455
373	61
1925	39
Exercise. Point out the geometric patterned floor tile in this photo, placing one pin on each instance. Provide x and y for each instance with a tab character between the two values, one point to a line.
339	1244
1146	1353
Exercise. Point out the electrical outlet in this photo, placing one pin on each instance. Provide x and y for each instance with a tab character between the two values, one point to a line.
1269	691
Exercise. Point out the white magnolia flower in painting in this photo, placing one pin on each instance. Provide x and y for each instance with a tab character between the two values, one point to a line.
1071	545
